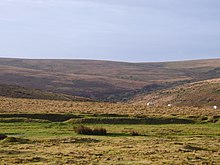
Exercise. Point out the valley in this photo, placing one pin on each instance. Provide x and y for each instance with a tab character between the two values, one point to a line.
42	102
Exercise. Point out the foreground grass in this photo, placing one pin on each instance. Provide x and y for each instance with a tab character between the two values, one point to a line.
56	143
43	141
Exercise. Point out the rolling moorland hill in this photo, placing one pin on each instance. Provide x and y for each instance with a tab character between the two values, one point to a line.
198	94
21	92
104	80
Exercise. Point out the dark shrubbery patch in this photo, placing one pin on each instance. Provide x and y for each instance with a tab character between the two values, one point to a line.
88	131
83	130
130	120
99	131
2	136
135	133
47	117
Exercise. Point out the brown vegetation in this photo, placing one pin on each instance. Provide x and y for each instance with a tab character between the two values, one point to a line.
13	91
199	94
12	105
88	131
101	79
135	133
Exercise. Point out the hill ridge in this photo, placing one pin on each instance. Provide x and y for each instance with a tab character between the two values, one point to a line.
102	80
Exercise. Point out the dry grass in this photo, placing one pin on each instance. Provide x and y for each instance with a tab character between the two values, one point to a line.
199	94
9	105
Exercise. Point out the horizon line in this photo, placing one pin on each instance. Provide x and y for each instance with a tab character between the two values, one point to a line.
109	60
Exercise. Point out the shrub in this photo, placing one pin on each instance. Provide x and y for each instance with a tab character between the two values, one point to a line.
134	133
2	136
88	131
83	130
99	131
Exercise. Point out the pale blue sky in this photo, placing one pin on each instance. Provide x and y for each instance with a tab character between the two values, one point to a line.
121	30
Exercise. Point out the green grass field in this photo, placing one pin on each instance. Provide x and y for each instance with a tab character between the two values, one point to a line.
57	143
42	132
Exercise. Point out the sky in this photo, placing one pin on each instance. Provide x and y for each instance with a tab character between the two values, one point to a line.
118	30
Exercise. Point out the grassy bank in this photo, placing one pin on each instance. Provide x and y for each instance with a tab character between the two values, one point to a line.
108	118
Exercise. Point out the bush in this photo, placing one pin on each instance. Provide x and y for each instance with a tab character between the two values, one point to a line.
88	131
2	136
134	133
99	131
83	130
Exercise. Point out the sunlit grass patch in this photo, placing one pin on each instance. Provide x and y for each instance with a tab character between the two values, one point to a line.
57	143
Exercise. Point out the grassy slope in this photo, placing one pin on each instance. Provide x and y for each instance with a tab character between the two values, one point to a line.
199	94
100	79
14	105
21	92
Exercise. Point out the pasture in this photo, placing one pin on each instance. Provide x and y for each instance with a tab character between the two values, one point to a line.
42	132
57	143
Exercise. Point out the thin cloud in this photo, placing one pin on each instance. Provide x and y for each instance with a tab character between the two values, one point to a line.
111	29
